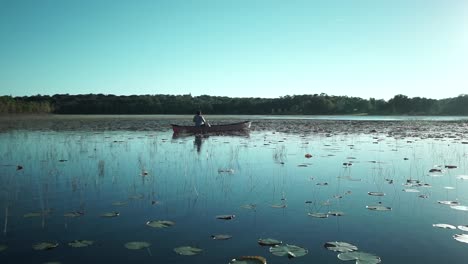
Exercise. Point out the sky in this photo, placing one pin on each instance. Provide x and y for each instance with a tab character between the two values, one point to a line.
235	48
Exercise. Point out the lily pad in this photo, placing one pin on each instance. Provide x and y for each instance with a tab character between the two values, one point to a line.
463	227
461	237
110	214
45	246
291	251
249	206
268	242
459	207
221	237
80	243
445	226
160	223
73	214
376	193
279	205
119	203
136	197
187	250
33	214
448	202
318	215
3	247
360	257
336	213
135	245
378	208
248	260
340	246
411	190
225	217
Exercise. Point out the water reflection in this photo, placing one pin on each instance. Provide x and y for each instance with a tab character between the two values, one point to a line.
198	138
198	142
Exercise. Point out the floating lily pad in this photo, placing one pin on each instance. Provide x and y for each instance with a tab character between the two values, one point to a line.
221	237
291	251
376	193
248	260
80	243
445	226
225	217
448	202
135	245
160	223
318	215
279	205
360	257
410	190
461	237
187	250
45	246
459	207
136	197
228	171
110	214
269	242
336	213
340	246
119	203
33	214
463	227
73	214
249	206
3	247
378	208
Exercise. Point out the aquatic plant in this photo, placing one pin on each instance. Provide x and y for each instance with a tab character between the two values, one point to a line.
291	251
248	260
188	250
45	246
160	223
360	257
268	242
340	246
136	245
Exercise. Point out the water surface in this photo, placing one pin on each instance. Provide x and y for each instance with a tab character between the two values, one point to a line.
86	165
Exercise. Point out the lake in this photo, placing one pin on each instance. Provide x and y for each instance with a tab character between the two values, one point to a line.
89	185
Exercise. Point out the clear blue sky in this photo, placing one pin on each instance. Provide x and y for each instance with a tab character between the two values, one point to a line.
237	48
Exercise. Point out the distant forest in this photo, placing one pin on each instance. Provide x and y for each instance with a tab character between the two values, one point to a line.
313	104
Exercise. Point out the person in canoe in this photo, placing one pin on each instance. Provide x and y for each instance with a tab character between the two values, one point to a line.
199	120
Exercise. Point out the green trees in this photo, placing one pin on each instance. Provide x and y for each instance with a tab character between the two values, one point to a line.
308	104
24	105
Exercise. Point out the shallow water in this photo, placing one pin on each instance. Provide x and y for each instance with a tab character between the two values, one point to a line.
87	165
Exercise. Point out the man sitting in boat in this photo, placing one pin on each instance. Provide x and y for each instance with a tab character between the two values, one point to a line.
199	120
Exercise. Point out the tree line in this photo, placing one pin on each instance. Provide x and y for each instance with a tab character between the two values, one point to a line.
309	104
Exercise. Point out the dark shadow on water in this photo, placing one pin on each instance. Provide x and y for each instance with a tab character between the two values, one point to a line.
198	142
199	138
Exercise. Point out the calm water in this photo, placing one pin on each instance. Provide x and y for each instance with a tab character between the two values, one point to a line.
88	165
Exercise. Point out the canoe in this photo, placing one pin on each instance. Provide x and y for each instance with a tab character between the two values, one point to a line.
213	128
